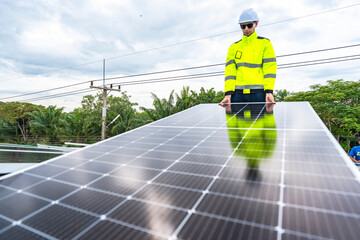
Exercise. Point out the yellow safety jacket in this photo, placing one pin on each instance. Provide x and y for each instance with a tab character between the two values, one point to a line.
250	65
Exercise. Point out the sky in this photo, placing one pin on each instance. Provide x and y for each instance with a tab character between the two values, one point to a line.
46	44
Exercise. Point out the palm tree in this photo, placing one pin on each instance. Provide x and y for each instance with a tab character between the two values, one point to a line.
126	122
163	107
73	125
185	99
47	123
8	131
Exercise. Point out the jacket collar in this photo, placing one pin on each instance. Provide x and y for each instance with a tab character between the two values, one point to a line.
250	38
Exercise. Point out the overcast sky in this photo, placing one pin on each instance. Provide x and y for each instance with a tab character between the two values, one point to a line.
48	43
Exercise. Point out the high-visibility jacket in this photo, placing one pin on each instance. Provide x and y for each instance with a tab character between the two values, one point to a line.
250	64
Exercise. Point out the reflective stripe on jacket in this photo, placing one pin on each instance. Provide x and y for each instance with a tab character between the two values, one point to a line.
250	64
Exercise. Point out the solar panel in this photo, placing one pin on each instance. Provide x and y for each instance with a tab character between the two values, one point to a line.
247	171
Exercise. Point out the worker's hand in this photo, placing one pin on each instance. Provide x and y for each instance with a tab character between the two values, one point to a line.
269	108
269	98
226	100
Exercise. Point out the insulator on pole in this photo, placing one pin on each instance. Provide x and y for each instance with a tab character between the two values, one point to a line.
110	85
119	87
91	83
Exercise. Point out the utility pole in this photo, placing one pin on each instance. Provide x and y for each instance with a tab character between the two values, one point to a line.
103	121
105	93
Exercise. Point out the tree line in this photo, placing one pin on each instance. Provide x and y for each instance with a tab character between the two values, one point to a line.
336	103
26	123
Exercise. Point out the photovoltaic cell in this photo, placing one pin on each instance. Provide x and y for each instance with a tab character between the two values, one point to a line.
51	189
108	230
243	171
148	216
20	205
169	195
60	222
20	233
93	201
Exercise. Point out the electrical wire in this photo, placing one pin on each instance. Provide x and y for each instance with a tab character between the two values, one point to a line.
320	50
202	75
221	73
211	74
75	92
324	59
129	76
312	64
312	14
46	90
172	70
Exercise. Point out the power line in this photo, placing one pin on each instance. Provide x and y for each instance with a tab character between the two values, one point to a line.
221	73
320	50
46	90
325	62
128	76
314	14
204	75
80	91
164	78
174	70
186	77
324	59
196	39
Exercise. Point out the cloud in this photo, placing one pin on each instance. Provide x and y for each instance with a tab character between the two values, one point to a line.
40	39
51	39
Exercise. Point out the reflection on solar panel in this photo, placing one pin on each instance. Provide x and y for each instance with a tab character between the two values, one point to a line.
243	172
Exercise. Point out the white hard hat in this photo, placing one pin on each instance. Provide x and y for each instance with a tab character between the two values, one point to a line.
248	15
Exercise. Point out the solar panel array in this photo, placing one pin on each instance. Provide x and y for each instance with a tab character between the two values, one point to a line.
248	171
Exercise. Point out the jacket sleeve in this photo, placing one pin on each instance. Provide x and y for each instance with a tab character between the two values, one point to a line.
351	153
269	67
230	72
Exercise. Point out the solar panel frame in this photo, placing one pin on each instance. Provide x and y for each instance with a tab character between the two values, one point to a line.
196	188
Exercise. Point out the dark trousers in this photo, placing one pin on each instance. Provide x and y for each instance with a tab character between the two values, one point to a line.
239	97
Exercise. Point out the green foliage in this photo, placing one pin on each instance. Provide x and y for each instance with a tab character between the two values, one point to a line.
126	121
15	121
207	96
186	99
6	131
337	104
29	123
84	123
73	125
162	107
280	95
89	116
123	107
47	123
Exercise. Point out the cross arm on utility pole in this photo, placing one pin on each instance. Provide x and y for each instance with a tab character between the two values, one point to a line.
106	88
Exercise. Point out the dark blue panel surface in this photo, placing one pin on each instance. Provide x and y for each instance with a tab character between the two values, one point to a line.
245	171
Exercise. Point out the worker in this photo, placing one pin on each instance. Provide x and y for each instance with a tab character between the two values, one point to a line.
250	68
354	154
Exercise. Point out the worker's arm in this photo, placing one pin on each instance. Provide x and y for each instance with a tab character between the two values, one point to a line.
226	100
354	160
230	74
269	69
